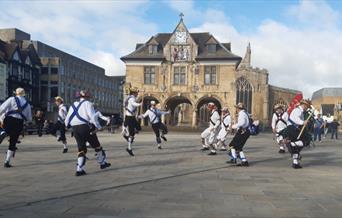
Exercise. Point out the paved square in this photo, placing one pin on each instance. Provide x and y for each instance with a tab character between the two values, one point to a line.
178	181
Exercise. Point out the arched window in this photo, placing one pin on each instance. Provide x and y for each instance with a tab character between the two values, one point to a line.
244	93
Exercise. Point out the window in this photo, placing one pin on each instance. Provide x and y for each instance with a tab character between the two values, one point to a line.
179	76
27	73
15	69
244	93
149	75
45	70
152	49
211	48
210	75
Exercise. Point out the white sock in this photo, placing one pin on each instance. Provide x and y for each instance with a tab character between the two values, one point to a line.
9	155
281	148
242	156
80	163
129	144
233	152
295	159
159	145
65	145
101	157
297	143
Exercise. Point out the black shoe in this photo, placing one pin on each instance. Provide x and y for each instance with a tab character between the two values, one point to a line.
159	147
7	165
296	166
231	161
80	173
59	139
223	149
281	151
244	164
163	137
212	153
18	142
65	150
205	149
130	152
105	165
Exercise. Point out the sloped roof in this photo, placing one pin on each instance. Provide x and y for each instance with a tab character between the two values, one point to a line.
324	92
222	52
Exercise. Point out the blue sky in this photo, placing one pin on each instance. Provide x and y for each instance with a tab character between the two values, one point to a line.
298	41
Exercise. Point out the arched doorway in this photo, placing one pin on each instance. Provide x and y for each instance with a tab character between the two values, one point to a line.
202	111
181	111
244	92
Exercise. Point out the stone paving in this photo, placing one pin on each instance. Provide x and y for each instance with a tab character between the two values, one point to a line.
177	181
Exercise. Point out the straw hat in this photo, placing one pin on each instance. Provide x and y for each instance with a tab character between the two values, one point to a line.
20	92
306	102
278	106
85	94
225	109
133	90
59	98
153	103
240	105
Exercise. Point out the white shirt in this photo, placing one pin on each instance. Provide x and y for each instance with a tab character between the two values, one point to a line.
214	120
243	120
11	105
280	125
297	116
131	107
86	111
154	115
62	112
226	121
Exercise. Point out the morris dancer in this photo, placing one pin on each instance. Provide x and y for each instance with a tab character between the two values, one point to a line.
240	137
131	125
279	123
295	124
59	125
154	115
81	117
225	128
209	134
17	111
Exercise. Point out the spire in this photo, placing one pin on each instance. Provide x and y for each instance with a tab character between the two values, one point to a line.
246	61
181	15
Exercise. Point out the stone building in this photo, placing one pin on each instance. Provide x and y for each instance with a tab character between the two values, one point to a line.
184	71
328	101
19	67
64	74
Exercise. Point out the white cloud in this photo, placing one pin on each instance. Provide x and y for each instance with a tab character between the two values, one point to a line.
303	58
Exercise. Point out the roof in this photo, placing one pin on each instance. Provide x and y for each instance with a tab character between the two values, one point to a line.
223	51
324	92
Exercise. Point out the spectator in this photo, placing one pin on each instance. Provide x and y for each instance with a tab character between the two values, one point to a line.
319	124
39	118
334	128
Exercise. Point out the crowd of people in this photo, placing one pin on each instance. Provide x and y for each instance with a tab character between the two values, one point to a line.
291	127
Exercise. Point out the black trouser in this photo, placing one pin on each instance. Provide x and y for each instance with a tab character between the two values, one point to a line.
159	126
61	127
293	133
82	135
132	123
239	140
40	126
13	127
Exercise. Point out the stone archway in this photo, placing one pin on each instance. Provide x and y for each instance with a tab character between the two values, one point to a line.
181	111
202	113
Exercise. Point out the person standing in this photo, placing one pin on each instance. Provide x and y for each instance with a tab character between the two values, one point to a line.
226	122
209	134
295	124
240	138
39	118
81	117
334	129
279	123
318	126
17	110
131	124
59	125
154	116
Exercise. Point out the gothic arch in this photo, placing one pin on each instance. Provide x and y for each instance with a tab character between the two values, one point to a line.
244	93
201	109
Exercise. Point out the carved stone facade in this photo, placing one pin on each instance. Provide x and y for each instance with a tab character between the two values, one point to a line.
184	71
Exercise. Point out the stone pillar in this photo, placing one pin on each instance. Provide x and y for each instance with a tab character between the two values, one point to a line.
180	117
194	119
163	118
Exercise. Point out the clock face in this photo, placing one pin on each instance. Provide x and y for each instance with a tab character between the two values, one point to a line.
180	37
